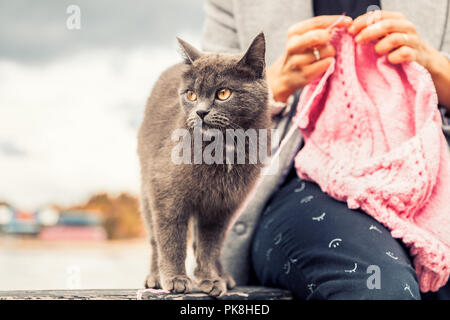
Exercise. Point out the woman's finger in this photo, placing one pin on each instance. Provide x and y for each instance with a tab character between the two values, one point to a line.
316	69
300	43
394	41
319	22
298	61
372	17
383	28
403	54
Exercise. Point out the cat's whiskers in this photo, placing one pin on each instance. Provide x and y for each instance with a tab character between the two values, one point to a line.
234	125
220	116
218	122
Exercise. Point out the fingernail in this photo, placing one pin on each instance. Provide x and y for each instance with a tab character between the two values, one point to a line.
351	29
348	19
358	38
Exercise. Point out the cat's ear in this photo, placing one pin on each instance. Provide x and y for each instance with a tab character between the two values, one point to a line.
255	55
190	54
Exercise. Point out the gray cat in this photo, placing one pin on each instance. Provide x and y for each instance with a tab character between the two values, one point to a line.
220	92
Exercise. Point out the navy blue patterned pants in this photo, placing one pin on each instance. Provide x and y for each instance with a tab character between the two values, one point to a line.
316	247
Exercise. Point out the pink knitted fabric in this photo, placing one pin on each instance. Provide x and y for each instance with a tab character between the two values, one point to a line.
373	138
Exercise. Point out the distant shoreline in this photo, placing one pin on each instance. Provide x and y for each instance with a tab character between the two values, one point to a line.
10	242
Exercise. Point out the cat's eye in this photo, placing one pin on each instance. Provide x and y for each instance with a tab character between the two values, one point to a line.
223	94
191	95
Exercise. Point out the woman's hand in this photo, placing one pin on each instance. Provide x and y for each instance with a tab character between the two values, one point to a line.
398	38
298	64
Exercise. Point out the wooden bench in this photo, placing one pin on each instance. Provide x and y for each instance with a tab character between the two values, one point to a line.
239	293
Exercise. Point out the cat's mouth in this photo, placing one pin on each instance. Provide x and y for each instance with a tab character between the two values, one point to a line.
214	120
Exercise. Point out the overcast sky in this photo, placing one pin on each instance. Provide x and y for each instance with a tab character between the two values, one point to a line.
71	100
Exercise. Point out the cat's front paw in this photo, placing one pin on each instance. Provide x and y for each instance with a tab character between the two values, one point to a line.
178	284
152	282
213	287
229	281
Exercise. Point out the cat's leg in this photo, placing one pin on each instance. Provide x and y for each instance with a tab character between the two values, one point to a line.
153	279
171	237
209	272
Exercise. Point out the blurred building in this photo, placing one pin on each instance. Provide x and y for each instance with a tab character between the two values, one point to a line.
51	224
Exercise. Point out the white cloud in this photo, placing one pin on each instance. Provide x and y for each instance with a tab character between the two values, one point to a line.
71	118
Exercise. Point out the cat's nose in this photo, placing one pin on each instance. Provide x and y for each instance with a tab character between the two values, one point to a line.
202	113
